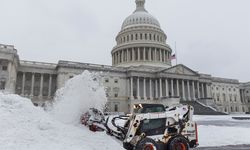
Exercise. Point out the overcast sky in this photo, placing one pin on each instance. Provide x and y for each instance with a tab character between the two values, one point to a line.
212	36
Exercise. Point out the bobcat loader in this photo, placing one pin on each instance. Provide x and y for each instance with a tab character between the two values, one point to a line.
154	127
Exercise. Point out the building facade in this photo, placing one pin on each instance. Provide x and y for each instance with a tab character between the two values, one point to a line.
141	72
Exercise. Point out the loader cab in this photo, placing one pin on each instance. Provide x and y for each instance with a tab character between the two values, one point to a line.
148	108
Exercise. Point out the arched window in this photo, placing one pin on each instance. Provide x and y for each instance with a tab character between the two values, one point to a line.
146	36
225	109
132	37
154	37
158	38
141	36
127	38
231	109
136	36
236	109
150	37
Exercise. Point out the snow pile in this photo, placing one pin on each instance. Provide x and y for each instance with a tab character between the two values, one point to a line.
25	127
223	135
77	96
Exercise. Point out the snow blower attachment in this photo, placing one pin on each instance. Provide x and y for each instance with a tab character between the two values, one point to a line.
150	127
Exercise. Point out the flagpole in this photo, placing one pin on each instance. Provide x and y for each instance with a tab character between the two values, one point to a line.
176	54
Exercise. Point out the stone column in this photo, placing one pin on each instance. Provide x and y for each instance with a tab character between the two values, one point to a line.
122	56
188	86
177	87
138	88
139	54
144	88
202	90
198	89
164	55
193	90
112	59
160	87
144	53
155	55
183	90
127	55
150	89
133	54
41	86
156	89
172	87
167	90
149	54
131	88
23	84
118	57
50	85
32	84
160	55
208	90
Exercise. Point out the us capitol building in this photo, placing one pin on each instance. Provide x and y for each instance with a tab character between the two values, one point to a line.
141	71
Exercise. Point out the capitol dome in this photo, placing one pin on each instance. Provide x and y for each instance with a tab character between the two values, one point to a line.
140	18
141	41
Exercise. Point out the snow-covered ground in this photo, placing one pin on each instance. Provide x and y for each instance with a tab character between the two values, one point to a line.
222	130
25	127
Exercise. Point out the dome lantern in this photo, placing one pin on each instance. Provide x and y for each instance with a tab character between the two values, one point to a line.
140	5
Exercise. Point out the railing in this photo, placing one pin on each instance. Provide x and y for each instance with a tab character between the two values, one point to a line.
85	64
37	63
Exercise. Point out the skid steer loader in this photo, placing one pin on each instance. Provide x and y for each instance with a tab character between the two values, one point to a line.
154	127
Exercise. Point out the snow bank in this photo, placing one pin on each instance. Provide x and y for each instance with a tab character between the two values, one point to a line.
25	127
77	96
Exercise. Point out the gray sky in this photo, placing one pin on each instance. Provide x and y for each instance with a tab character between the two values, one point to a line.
213	36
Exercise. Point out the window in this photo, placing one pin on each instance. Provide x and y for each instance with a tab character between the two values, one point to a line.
224	97
2	85
4	68
116	94
116	80
71	77
116	107
106	80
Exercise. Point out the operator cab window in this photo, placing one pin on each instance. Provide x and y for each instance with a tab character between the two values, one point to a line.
153	126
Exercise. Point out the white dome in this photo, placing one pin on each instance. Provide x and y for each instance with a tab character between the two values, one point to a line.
140	17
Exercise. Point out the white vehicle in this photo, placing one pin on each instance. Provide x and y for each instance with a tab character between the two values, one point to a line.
152	127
